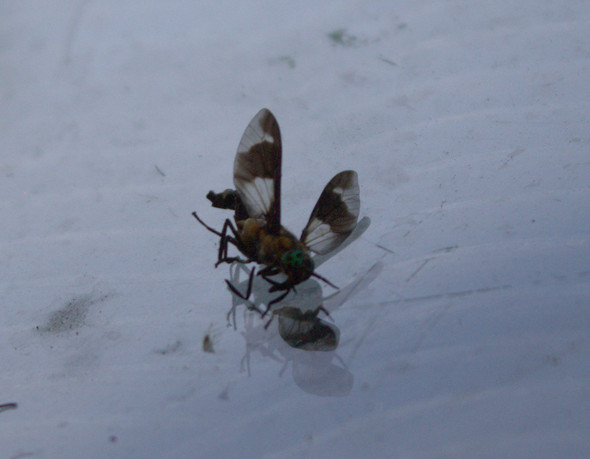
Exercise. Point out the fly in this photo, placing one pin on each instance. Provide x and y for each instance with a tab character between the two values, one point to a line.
257	231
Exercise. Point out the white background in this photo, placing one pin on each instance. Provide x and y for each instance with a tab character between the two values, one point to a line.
464	310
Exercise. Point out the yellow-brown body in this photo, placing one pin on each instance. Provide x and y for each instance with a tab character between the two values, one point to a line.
270	250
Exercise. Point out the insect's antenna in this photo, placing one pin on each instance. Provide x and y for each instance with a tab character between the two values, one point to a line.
325	280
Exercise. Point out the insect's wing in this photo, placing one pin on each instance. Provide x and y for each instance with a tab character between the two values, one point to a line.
257	169
335	215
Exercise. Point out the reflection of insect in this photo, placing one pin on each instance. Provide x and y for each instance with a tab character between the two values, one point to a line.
303	330
258	233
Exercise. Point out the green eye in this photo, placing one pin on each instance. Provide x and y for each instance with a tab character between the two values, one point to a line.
294	259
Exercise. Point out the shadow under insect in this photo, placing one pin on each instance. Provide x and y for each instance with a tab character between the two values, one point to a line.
256	230
318	373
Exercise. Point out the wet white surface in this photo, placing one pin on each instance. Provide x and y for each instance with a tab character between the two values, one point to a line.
463	313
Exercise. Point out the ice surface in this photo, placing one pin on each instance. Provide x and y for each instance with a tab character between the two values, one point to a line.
464	312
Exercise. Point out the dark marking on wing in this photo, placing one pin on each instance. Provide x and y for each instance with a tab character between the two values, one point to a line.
335	215
257	169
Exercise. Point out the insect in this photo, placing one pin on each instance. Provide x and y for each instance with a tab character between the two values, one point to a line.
257	232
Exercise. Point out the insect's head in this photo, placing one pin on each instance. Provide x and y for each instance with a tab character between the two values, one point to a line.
297	265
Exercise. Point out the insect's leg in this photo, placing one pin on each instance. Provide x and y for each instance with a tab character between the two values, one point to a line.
223	242
222	250
214	231
276	300
225	239
325	280
324	310
246	360
275	285
272	316
237	299
250	280
232	259
231	314
222	253
248	291
235	290
268	271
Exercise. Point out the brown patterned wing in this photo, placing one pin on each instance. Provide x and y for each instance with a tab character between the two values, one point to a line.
335	215
257	169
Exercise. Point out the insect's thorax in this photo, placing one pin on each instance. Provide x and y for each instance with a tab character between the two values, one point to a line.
283	251
267	249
